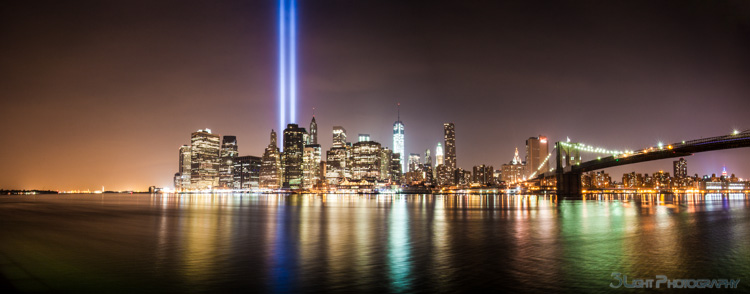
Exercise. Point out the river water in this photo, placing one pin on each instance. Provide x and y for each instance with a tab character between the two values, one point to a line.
367	243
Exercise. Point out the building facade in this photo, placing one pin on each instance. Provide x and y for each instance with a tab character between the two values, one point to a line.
246	174
536	152
294	146
270	172
204	160
226	167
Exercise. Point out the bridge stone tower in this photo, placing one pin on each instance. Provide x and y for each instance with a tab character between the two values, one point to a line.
568	179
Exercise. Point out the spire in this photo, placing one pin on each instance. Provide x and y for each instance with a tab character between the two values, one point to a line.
516	158
398	111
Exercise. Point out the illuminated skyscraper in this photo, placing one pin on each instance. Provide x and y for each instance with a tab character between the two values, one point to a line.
311	171
513	172
270	171
364	138
483	175
536	151
184	169
313	136
398	140
226	167
294	146
336	165
246	174
204	160
680	168
439	158
450	145
365	162
339	136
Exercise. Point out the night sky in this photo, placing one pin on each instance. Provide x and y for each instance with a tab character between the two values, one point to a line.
103	93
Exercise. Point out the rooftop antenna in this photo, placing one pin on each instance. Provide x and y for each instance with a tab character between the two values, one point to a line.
398	109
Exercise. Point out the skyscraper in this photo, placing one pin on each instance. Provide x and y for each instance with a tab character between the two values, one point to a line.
427	158
364	138
680	168
336	165
365	162
439	158
536	151
398	140
311	171
313	137
184	169
294	146
414	162
226	167
246	174
450	145
513	172
204	160
270	170
339	136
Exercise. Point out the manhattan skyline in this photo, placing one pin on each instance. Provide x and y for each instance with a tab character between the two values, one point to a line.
98	94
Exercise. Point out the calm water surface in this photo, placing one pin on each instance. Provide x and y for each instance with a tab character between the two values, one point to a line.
366	243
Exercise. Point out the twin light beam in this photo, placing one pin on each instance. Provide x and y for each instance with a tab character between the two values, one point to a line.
287	63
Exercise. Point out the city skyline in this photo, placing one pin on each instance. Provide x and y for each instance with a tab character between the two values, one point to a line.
112	112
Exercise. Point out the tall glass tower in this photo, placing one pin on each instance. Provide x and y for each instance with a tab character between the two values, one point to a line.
450	145
398	140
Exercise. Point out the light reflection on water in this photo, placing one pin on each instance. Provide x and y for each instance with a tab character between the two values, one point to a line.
378	243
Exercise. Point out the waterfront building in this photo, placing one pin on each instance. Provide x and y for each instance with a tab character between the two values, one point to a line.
339	136
311	171
444	175
514	171
336	165
632	180
661	180
294	145
385	163
596	180
398	141
536	152
450	145
395	174
462	178
439	155
204	160
414	178
483	175
226	166
270	172
365	160
246	172
184	169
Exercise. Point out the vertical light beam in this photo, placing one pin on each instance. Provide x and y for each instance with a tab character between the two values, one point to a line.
292	61
282	66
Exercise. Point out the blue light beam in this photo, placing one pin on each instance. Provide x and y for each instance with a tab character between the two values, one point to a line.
287	63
